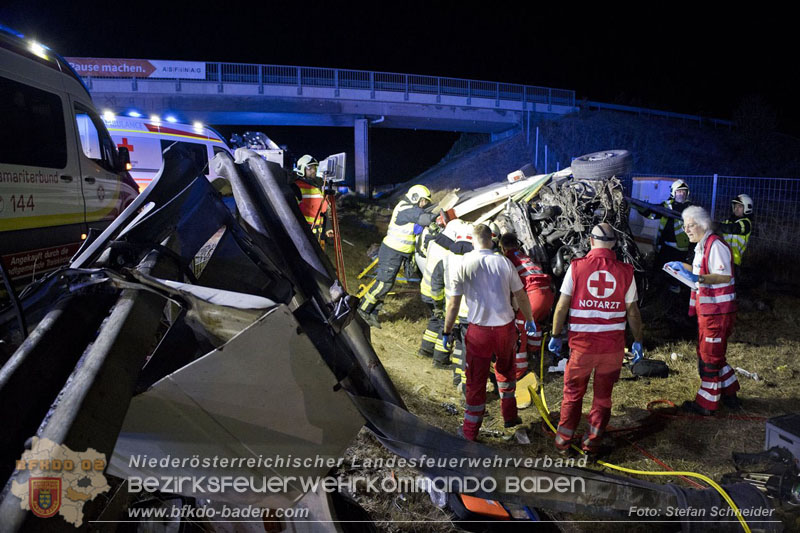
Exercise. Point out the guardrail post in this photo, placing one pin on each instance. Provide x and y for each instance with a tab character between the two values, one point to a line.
299	82
219	77
469	92
260	79
438	90
405	97
336	81
549	100
372	85
497	95
524	97
714	195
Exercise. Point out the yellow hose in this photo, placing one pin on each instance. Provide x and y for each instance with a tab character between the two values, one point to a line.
541	405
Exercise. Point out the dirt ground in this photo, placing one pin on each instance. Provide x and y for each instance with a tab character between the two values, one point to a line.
765	341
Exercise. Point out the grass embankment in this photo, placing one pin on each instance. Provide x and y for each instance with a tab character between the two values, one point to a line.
766	340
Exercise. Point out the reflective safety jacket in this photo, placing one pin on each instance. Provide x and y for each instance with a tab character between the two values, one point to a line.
670	230
401	235
715	299
737	233
597	309
432	285
312	203
531	274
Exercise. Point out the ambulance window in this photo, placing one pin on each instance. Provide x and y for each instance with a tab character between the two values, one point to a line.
198	152
219	149
95	141
33	131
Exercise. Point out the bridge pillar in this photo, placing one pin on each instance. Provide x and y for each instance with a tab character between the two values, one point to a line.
362	156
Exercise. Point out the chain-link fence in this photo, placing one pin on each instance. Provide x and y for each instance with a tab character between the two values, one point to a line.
775	241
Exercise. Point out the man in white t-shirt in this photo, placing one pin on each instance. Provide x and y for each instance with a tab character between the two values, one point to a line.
487	281
714	303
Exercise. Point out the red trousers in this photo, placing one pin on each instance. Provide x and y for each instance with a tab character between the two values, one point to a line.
606	368
481	343
717	378
541	303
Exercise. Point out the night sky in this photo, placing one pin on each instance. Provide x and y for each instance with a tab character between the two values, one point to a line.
674	60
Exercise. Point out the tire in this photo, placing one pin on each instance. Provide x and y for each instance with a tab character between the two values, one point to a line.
602	165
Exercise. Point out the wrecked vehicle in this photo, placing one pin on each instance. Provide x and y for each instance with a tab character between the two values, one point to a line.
188	330
553	214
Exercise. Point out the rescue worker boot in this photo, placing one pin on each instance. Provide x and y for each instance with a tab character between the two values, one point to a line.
732	402
691	406
370	318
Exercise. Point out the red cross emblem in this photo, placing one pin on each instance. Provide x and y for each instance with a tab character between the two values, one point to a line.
601	284
125	144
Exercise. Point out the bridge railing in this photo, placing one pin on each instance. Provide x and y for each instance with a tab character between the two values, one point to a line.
301	77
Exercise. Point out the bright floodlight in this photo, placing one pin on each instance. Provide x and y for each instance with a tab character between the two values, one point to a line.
198	125
172	119
108	115
155	119
38	50
134	114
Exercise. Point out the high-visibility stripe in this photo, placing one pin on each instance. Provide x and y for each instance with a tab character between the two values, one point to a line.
506	384
522	355
728	382
713	340
710	397
594	431
475	408
717	299
522	365
592	313
711	385
565	431
472	418
507	394
597	327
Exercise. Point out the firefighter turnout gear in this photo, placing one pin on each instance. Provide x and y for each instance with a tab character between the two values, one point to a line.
715	307
407	221
737	230
432	293
313	206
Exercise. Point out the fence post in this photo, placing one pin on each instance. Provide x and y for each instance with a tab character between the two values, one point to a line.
549	99
469	92
219	77
299	82
714	196
497	95
438	90
336	81
371	84
261	79
406	95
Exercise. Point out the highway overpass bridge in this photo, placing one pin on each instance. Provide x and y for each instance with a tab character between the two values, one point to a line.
263	95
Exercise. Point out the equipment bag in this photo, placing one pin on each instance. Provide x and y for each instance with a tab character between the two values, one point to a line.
651	368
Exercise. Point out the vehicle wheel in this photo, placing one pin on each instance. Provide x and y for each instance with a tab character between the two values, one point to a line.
602	165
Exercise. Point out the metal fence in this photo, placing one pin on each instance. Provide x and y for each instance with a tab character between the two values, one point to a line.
300	77
776	205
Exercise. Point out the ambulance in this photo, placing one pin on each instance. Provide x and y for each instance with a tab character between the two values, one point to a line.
61	174
145	139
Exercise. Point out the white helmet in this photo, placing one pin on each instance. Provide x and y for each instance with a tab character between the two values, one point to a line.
304	162
678	184
746	201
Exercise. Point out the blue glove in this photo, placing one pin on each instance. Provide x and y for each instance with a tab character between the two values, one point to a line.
530	327
638	352
555	345
447	341
688	274
675	265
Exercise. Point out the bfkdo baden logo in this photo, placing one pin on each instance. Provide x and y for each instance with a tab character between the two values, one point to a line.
44	496
50	480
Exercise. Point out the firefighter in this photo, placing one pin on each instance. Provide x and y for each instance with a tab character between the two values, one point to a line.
539	290
398	245
312	198
672	244
714	304
598	295
737	229
487	281
432	293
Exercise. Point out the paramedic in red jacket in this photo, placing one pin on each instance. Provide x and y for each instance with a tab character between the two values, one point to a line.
714	303
538	287
599	295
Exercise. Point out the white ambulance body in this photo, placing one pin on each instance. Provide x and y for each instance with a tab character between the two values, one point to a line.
146	139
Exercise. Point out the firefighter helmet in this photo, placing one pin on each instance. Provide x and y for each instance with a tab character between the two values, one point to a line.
418	192
302	163
746	201
678	184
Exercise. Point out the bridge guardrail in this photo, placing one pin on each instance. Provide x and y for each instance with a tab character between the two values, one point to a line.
301	77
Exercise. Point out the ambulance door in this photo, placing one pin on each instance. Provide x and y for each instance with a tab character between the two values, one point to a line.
41	206
105	193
